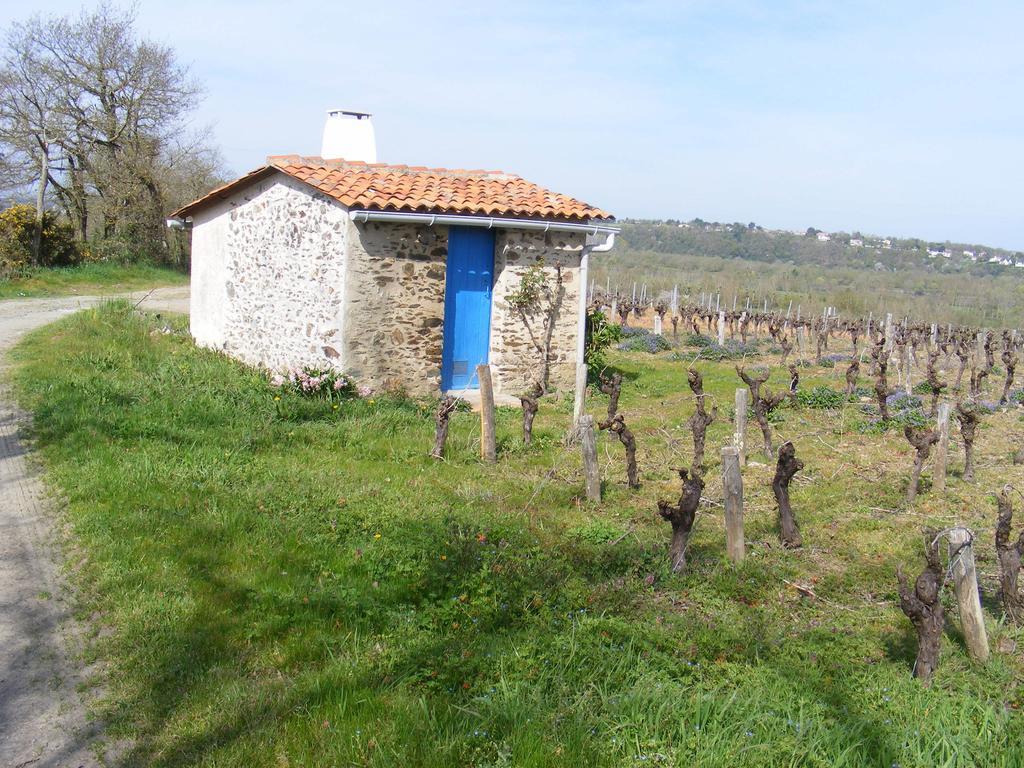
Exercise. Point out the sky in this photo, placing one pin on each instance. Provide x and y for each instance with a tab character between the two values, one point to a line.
889	118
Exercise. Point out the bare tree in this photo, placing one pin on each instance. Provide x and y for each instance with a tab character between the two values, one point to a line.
934	383
613	388
922	439
969	417
445	408
30	123
529	401
851	376
617	424
880	362
787	466
539	294
100	113
1010	554
764	402
700	420
1009	358
923	607
682	516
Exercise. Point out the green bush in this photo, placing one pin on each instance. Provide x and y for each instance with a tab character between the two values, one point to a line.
113	250
600	336
820	397
17	230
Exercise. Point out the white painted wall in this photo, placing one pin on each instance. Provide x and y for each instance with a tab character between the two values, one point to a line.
209	275
268	269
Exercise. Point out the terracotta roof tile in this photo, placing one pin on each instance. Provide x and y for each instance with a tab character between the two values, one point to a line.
416	189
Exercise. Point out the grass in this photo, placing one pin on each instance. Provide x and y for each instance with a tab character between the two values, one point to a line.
274	583
89	279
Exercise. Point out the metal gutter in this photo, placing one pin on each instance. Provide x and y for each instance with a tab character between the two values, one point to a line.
458	220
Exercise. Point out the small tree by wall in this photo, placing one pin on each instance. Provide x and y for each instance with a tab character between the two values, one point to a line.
537	300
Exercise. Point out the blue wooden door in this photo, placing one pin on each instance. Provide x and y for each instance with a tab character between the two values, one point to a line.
467	306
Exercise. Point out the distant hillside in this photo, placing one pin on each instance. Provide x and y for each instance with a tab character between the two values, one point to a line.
857	274
834	249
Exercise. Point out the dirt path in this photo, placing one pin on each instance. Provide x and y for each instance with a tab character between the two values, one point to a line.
42	718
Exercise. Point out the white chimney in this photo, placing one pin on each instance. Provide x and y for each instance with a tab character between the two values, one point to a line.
349	136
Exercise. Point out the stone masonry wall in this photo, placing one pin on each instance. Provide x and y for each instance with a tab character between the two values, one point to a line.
515	361
303	285
394	317
394	321
283	278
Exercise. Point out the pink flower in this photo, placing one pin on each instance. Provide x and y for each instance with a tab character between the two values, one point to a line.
277	380
364	391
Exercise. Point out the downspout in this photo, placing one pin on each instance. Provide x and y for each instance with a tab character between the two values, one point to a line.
579	401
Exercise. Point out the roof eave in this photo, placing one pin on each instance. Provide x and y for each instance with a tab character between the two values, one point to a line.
224	191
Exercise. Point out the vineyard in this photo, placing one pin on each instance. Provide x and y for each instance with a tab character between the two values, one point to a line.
314	585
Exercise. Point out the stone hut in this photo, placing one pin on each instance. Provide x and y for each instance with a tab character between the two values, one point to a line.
398	275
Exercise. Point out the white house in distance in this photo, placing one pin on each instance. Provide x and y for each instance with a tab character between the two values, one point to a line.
397	275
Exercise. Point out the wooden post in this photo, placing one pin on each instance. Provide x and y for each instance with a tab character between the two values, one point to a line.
941	448
591	471
906	367
888	332
732	484
721	328
488	447
580	395
657	325
965	584
739	434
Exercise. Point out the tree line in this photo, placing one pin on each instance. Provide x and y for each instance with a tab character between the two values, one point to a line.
95	123
754	243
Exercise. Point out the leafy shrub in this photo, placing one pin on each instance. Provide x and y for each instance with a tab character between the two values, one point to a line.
904	409
922	388
113	250
600	336
1016	396
901	401
830	361
821	397
317	382
698	340
595	532
733	350
645	342
17	230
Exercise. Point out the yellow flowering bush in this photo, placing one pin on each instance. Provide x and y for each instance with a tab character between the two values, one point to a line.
17	227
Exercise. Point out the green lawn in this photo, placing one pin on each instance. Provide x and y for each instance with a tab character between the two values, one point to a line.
276	583
89	280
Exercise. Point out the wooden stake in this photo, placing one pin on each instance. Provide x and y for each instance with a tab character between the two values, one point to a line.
732	484
965	583
591	470
942	448
721	328
906	367
580	395
739	434
488	447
